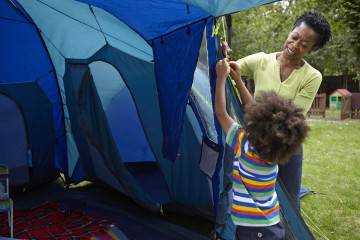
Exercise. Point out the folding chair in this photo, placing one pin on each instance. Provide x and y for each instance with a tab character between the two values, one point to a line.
6	205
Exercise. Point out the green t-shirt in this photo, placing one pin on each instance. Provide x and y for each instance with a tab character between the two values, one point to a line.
301	86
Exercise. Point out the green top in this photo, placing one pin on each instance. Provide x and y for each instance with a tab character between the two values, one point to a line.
301	86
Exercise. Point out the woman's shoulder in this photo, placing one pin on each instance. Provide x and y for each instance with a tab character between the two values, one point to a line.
311	71
269	56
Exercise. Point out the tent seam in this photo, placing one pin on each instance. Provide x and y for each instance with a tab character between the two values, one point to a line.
92	27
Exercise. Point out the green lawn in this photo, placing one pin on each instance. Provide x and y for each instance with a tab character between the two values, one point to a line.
332	168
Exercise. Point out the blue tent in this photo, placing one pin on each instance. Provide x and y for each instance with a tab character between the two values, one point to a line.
120	91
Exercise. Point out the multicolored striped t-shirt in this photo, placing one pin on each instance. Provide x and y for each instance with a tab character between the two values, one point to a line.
255	203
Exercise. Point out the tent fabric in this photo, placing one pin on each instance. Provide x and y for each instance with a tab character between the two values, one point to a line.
28	61
222	7
83	27
174	77
151	19
38	115
72	80
136	72
213	55
104	161
201	93
116	99
209	157
13	138
292	216
96	129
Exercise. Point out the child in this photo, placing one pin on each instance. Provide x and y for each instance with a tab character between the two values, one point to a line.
275	130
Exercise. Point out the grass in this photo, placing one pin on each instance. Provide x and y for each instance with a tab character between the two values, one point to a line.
331	168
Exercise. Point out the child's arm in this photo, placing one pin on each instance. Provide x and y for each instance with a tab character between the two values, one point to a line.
222	70
235	72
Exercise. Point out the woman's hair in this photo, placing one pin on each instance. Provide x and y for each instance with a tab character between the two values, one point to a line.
276	127
318	23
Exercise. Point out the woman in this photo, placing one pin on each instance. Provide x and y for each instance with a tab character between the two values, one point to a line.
292	77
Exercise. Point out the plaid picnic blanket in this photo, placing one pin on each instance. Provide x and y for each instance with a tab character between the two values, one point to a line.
47	222
112	234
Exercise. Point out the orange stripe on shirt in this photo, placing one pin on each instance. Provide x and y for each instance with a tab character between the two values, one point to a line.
257	182
256	213
237	148
259	186
255	158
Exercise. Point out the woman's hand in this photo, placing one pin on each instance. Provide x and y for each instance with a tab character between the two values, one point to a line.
235	70
222	69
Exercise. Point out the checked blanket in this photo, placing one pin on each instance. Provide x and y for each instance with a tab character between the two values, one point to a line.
47	222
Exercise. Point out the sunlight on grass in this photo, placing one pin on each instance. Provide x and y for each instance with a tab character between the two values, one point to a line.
331	168
332	113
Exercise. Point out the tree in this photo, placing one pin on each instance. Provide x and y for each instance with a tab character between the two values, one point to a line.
346	17
265	29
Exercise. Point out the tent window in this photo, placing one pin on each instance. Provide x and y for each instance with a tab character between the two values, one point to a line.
121	113
200	91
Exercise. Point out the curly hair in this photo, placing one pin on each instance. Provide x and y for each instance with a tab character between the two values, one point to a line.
318	23
276	127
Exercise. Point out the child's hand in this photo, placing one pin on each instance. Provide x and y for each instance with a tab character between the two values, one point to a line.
235	70
222	69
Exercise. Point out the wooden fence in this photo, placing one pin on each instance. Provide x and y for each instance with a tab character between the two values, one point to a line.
318	106
355	105
355	113
345	107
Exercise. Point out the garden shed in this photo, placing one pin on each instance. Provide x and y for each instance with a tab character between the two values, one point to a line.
335	98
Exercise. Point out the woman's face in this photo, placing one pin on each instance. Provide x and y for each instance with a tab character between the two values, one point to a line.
300	41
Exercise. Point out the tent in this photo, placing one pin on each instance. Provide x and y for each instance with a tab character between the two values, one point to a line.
122	92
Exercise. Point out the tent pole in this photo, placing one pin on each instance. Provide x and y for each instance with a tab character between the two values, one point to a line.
229	27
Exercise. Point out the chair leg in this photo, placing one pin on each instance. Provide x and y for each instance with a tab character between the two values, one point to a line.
12	223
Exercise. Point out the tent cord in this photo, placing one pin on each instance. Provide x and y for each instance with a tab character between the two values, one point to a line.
317	230
223	25
231	80
320	233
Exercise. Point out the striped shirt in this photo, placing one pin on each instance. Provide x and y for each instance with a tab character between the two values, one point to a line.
255	203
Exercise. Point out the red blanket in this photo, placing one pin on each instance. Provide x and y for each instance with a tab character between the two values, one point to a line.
47	222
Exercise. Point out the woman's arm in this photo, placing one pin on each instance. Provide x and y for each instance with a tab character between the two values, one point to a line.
222	70
235	72
305	97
